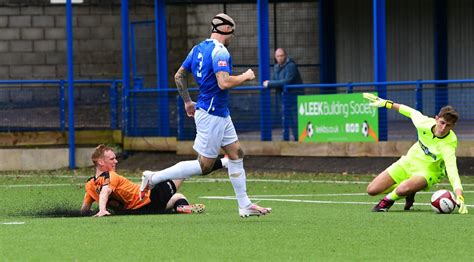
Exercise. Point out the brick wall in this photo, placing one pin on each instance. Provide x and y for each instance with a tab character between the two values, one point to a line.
33	37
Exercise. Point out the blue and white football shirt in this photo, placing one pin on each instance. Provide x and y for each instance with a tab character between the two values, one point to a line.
204	61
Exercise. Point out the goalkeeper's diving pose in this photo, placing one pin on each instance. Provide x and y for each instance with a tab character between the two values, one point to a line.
429	160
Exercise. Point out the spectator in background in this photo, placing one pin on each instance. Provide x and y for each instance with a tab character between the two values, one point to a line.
285	72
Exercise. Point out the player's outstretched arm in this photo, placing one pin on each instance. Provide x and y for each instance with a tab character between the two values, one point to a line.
376	101
402	109
182	85
226	81
103	199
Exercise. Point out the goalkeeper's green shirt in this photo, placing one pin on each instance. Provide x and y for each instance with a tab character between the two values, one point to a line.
433	153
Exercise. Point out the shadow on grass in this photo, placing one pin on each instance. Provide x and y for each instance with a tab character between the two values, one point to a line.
53	212
67	211
415	211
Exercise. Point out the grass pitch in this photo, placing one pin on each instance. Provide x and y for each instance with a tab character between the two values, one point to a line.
315	218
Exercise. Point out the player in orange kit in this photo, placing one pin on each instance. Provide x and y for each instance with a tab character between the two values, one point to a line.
111	190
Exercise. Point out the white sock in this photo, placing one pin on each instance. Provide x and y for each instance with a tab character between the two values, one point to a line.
225	162
181	170
239	181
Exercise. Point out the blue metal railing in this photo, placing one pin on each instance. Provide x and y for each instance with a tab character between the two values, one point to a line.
259	113
441	98
285	123
247	111
113	95
62	84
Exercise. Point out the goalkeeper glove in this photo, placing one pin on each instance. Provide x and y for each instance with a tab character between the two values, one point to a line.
377	101
462	207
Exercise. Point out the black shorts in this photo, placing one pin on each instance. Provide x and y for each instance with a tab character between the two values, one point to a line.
160	195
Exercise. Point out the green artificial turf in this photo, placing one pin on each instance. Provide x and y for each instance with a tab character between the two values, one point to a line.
315	218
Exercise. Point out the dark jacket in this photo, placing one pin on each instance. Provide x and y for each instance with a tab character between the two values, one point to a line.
286	74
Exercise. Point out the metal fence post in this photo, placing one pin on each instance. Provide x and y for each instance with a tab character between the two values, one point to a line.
70	76
380	61
264	70
285	114
62	106
350	88
419	96
113	105
125	64
181	116
162	67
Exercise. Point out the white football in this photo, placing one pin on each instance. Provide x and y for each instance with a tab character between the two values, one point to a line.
443	202
309	129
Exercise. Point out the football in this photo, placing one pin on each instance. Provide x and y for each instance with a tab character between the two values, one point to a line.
443	201
309	129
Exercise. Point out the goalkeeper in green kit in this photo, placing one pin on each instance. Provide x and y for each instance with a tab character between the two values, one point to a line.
429	160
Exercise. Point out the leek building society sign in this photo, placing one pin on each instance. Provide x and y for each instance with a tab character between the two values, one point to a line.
337	118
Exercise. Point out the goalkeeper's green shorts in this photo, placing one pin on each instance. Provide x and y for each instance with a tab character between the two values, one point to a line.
404	169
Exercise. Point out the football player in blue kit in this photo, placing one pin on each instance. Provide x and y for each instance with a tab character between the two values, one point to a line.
211	65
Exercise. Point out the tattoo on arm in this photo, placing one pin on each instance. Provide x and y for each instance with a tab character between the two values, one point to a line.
222	78
182	84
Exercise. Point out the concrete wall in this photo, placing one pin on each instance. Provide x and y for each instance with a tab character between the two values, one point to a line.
42	158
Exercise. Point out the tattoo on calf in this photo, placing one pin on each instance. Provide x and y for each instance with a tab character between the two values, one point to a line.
240	152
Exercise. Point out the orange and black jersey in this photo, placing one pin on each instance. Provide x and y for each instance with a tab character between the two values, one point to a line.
123	190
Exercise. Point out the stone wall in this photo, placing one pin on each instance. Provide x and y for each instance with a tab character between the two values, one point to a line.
33	36
33	39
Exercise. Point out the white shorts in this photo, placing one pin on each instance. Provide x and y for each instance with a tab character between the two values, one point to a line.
213	132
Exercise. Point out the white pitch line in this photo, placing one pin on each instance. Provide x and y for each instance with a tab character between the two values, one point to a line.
226	180
43	176
338	194
291	200
210	180
312	195
309	201
40	185
13	223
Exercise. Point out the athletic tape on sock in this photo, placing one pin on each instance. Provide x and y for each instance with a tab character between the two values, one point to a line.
239	181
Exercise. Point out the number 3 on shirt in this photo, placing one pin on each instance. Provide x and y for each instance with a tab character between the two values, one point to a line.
200	59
